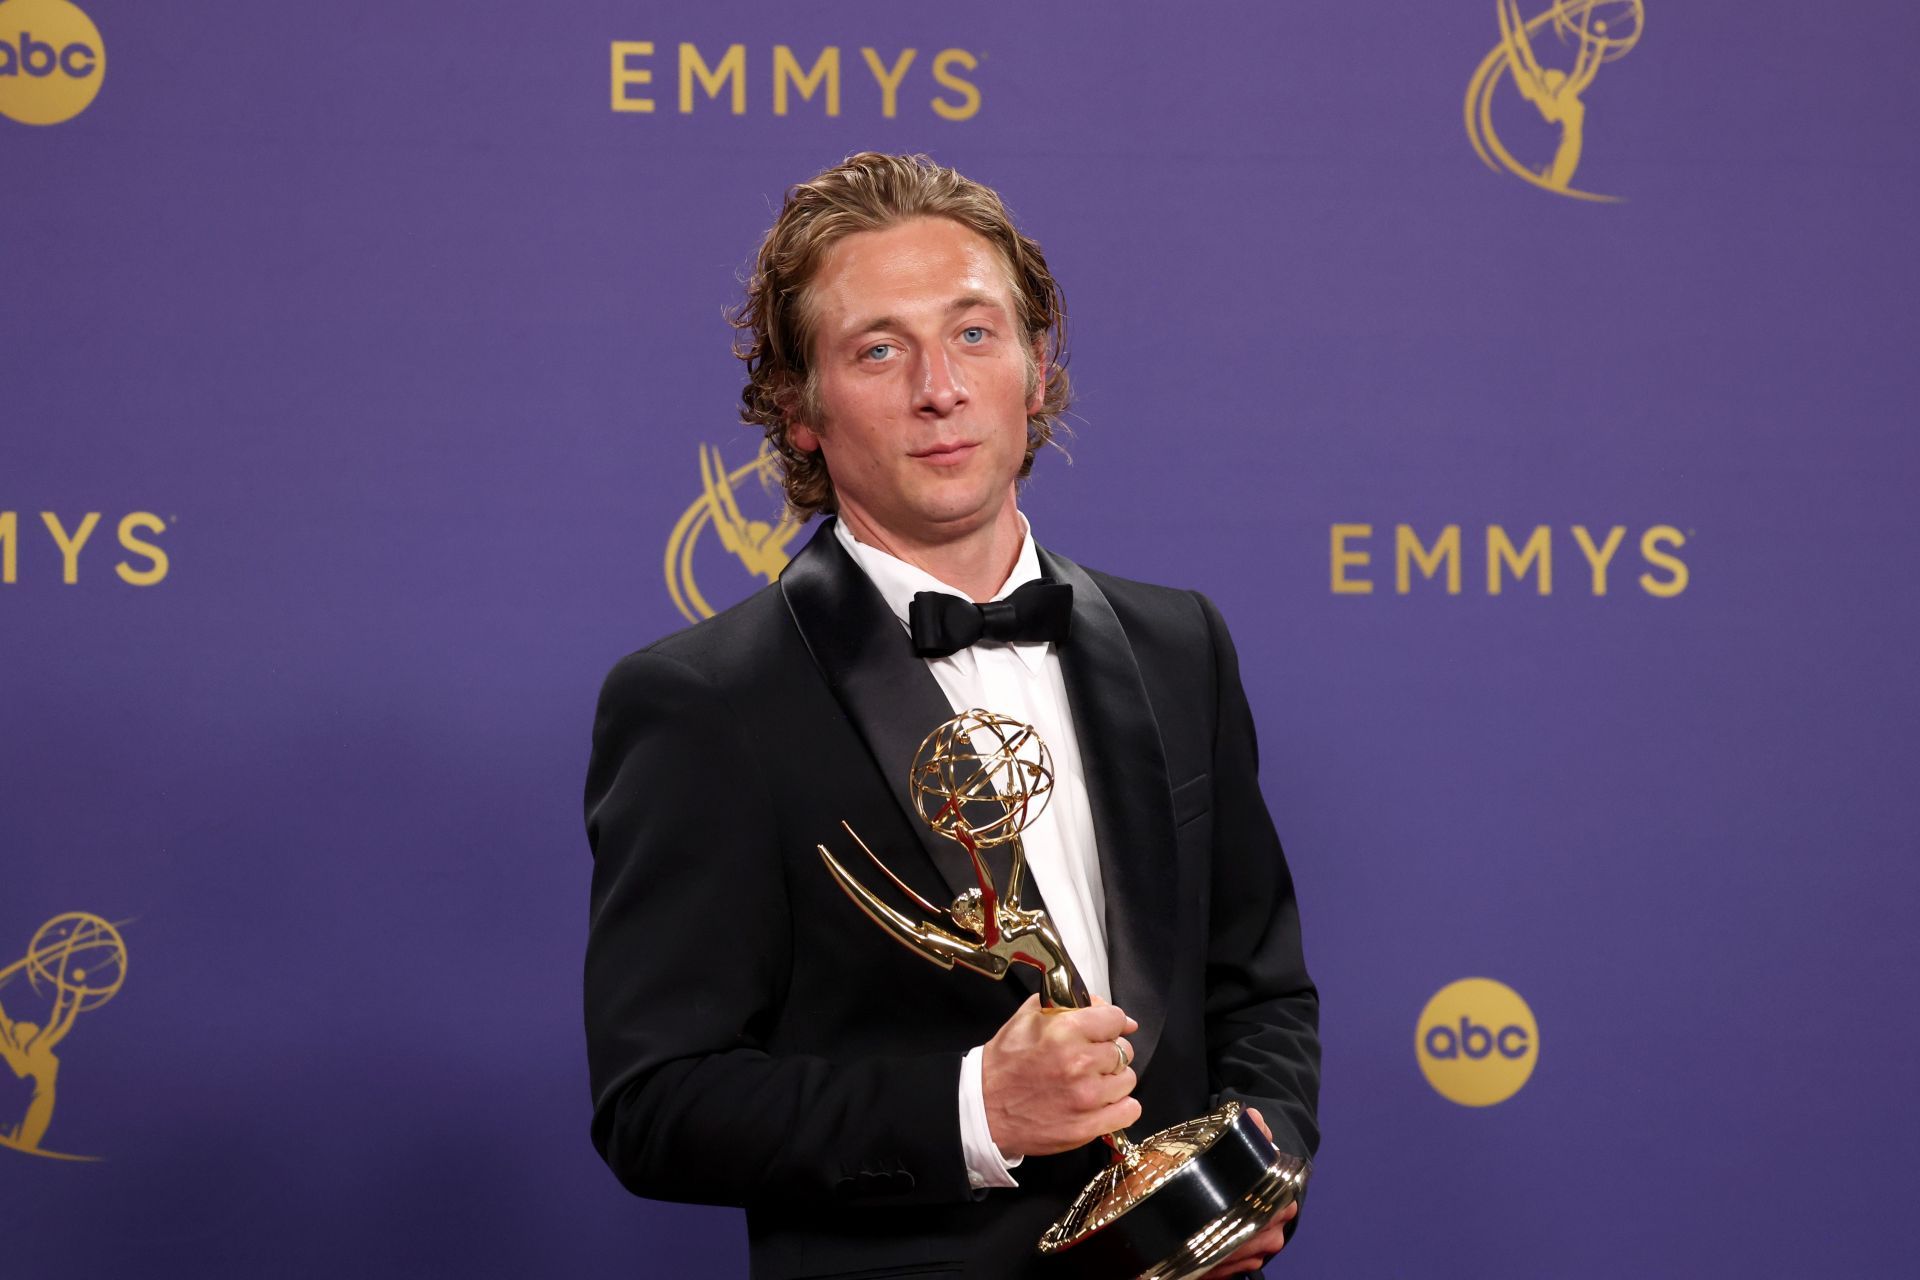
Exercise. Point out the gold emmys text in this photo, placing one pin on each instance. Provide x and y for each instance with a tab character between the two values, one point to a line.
1353	558
697	77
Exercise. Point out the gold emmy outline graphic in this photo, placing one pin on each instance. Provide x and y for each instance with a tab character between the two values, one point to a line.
1223	1180
28	1047
1554	92
761	545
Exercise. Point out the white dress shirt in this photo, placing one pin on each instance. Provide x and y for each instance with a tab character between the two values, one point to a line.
1023	681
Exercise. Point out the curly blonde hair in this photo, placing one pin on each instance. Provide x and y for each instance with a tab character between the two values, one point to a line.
868	192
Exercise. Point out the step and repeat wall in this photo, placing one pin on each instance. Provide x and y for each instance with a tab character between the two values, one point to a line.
1531	384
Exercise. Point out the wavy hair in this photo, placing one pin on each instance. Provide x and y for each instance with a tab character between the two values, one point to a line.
868	192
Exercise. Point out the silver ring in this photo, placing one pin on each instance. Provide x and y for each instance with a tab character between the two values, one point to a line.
1119	1053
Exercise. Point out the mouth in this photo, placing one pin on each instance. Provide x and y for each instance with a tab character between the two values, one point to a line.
945	454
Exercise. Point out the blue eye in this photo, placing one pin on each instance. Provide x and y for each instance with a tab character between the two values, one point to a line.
878	350
974	334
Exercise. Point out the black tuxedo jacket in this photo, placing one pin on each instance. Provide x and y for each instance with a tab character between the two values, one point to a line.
754	1040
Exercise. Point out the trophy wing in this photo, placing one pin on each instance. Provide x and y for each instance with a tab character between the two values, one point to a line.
929	942
727	520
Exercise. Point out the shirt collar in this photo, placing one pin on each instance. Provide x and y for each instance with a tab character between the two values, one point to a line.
898	582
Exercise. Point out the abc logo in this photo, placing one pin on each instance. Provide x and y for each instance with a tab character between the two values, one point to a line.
51	61
1477	1042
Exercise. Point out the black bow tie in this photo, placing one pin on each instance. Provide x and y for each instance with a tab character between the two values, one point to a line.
944	624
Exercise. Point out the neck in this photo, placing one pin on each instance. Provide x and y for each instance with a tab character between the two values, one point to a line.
977	561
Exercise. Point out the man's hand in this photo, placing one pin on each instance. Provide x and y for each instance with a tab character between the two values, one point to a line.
1049	1081
1253	1255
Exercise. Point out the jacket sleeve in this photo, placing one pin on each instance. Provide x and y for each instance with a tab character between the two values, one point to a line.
686	972
1262	1011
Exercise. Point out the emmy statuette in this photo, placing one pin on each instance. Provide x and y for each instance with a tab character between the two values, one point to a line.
1168	1207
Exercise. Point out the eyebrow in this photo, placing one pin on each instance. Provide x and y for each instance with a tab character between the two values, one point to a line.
965	302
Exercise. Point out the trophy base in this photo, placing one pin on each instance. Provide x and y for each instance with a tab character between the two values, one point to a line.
1179	1204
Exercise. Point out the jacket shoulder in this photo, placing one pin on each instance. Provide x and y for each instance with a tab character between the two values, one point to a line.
727	646
1150	604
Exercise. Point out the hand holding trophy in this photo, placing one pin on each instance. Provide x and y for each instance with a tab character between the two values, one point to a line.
1168	1207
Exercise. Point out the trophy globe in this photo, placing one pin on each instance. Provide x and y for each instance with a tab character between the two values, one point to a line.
982	777
1611	28
81	956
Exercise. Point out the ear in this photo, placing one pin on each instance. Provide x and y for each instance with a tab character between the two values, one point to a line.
803	437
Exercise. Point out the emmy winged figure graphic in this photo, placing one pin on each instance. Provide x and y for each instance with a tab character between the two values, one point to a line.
78	961
1599	32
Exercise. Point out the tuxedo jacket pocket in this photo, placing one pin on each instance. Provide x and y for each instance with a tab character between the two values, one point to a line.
1192	799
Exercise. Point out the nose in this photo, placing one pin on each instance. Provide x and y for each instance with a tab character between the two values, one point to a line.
940	389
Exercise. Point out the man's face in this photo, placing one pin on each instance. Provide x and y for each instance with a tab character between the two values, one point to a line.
922	377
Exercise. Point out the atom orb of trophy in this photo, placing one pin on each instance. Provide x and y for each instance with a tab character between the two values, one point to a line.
982	774
1610	27
81	956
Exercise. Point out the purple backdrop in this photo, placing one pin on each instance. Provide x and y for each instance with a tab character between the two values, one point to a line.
409	342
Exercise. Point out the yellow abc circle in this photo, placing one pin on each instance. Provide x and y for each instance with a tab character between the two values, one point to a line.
1477	1042
52	61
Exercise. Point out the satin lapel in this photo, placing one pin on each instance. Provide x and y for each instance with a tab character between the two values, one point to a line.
1132	801
885	689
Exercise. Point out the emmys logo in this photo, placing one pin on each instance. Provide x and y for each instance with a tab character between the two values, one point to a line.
1594	32
1477	1042
819	82
75	963
760	546
1510	560
51	61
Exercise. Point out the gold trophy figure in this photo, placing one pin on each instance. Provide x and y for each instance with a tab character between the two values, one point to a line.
81	960
1601	31
1169	1207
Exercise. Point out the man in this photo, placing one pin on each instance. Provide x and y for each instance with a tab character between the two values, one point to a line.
753	1039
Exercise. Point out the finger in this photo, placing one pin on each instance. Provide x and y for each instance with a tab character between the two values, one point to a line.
1109	1057
1263	1243
1101	1058
1115	1116
1253	1263
1268	1241
1110	1089
1258	1119
1095	1094
1258	1250
1101	1022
